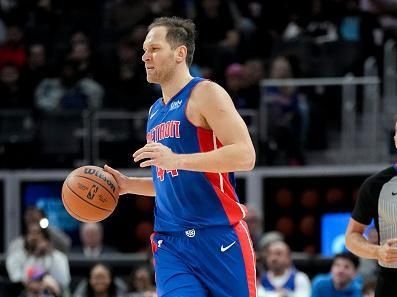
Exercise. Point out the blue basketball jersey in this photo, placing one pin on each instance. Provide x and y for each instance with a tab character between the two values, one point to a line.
188	199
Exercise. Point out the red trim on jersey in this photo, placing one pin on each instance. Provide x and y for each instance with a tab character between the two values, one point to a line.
244	238
153	244
228	197
154	249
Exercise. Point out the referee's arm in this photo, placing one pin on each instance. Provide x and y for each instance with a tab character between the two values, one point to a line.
360	246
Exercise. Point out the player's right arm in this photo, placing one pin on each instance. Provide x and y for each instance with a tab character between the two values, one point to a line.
359	245
132	185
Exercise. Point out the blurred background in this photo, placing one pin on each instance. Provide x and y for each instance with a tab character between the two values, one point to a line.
315	81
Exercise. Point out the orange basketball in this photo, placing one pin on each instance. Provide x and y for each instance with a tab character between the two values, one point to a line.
90	194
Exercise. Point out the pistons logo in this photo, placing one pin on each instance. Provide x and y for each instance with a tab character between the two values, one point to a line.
92	192
190	233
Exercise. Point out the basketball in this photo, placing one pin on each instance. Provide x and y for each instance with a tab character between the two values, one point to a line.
90	194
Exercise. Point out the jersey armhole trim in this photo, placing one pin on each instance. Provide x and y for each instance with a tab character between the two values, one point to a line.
187	102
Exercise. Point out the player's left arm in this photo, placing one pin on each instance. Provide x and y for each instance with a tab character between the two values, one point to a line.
213	109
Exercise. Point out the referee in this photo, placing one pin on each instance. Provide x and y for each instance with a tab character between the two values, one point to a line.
377	200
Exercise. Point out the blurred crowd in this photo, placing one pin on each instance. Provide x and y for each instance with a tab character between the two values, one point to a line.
58	55
37	265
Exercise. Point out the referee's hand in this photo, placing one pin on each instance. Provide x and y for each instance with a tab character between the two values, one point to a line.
387	252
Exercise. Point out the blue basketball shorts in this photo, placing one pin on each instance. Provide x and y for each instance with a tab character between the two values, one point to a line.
210	262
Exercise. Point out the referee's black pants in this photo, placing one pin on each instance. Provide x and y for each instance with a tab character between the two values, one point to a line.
387	283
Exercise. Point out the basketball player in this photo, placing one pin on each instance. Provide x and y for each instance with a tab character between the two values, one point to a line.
195	139
378	200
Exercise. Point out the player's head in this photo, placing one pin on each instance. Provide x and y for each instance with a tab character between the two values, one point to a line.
179	33
343	269
169	44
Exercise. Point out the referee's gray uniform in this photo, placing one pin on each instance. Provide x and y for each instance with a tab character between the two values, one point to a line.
377	200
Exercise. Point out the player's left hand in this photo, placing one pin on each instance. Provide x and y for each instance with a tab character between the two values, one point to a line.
156	154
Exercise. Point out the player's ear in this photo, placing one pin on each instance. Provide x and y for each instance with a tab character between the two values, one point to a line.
181	53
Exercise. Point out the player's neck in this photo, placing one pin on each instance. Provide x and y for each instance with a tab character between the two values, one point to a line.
174	85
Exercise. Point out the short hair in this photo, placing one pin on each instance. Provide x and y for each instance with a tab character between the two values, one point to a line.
112	286
179	32
268	238
348	256
91	226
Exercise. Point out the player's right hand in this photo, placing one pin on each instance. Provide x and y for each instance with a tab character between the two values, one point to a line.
387	252
121	179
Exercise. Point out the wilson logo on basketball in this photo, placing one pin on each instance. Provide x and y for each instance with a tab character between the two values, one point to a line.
101	176
92	192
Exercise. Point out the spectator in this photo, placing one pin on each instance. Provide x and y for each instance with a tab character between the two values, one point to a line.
91	236
235	83
369	288
32	216
281	278
125	14
216	47
3	31
79	37
142	232
101	283
242	83
81	54
43	21
254	222
384	11
254	75
84	15
39	284
163	8
141	284
268	238
269	19
13	96
13	50
287	116
38	251
127	85
68	92
36	68
342	281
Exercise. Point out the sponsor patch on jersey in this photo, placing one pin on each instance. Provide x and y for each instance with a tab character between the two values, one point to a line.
175	104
